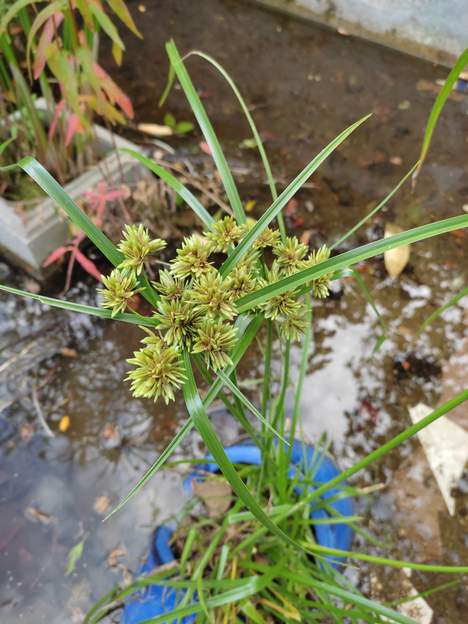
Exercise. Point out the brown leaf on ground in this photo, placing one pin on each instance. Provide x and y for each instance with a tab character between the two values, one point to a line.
26	431
36	515
101	504
68	352
215	493
109	436
113	558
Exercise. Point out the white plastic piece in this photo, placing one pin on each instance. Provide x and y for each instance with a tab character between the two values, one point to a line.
417	609
446	448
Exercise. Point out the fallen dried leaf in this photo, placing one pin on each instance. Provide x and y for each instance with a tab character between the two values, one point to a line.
26	431
110	436
115	555
155	130
305	236
36	515
216	494
31	285
64	423
69	353
291	207
395	259
101	504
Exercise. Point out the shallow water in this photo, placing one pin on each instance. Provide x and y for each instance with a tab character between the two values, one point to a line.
306	84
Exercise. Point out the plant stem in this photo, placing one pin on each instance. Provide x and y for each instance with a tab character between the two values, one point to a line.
302	373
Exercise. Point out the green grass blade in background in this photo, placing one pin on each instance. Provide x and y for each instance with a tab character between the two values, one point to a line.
349	258
253	128
275	208
439	104
208	131
371	301
375	210
53	189
11	12
450	303
80	308
393	563
160	461
173	183
205	429
249	405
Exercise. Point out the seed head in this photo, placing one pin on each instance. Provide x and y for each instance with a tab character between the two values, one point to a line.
158	372
192	258
293	326
290	254
136	245
169	286
225	234
268	238
215	339
321	285
119	288
212	296
176	321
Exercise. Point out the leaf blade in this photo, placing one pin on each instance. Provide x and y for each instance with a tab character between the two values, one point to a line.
275	208
207	129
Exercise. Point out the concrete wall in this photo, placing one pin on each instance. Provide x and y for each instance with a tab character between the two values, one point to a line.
436	30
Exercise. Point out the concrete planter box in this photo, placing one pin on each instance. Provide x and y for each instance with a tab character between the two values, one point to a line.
435	30
28	236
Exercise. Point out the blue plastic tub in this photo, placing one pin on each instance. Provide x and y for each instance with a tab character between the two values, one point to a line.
156	600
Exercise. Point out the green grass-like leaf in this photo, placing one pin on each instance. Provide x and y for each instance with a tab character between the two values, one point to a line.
450	303
349	258
81	308
207	129
438	106
175	184
253	128
204	427
246	243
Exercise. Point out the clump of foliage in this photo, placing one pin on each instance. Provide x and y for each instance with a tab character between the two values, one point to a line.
51	50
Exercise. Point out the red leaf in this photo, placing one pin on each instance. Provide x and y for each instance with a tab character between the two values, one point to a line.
205	148
113	91
56	255
47	35
74	127
87	265
55	119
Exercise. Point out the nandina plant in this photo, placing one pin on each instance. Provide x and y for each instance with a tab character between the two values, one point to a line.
257	558
52	49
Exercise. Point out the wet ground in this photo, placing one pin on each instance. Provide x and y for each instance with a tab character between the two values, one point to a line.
305	85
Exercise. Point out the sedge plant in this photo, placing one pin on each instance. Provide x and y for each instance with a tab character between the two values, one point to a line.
237	280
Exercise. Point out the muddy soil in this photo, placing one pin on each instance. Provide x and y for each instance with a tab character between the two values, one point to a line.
304	84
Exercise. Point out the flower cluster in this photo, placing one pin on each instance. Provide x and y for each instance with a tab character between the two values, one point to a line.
196	308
